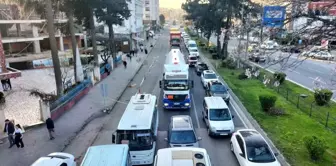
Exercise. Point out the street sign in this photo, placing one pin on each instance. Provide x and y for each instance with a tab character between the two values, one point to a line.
103	90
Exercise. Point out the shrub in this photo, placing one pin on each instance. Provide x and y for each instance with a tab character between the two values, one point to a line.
322	96
280	76
315	146
267	101
229	63
242	76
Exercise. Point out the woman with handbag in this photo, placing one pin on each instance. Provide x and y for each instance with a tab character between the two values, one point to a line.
18	136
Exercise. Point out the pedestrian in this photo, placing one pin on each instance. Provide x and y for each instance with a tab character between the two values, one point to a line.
129	56
18	136
124	59
146	51
10	129
132	52
50	127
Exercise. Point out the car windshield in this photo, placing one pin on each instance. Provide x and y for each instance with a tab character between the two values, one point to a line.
182	137
210	76
259	152
218	88
202	65
219	115
193	50
176	85
192	58
136	139
192	45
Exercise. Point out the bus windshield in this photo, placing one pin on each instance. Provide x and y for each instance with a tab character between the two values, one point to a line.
176	85
137	140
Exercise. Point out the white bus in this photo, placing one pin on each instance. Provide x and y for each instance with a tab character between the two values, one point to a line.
106	155
138	128
182	156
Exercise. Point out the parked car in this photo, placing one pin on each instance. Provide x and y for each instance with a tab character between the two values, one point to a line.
208	76
318	54
291	49
56	159
269	45
194	52
218	89
200	67
256	56
250	148
181	132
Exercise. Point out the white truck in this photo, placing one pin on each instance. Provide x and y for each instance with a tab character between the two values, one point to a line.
175	83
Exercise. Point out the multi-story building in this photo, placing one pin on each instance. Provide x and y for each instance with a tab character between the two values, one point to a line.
151	12
131	30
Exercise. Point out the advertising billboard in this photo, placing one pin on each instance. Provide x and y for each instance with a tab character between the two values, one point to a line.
322	8
274	16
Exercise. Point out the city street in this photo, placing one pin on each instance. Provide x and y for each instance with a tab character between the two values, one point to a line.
301	71
148	81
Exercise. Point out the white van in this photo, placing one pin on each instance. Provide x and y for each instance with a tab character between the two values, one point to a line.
191	45
217	117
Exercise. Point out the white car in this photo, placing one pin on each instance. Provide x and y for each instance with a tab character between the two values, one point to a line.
208	76
251	149
318	54
194	52
186	39
269	45
56	159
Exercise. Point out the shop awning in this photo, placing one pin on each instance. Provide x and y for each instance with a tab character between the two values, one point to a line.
138	39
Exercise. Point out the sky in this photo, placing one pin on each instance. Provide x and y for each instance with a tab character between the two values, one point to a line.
175	4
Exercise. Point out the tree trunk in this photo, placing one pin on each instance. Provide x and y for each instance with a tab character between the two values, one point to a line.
73	43
93	39
226	34
218	41
53	46
111	40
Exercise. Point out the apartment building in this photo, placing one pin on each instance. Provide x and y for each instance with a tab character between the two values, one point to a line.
151	12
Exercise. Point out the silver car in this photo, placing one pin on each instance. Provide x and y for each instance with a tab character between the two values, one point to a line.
181	132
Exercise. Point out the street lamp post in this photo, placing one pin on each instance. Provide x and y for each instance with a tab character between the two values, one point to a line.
300	96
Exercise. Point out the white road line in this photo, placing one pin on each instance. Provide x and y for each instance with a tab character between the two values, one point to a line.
294	71
142	81
196	115
312	78
235	106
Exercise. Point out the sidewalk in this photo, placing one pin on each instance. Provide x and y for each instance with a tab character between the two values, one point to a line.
37	143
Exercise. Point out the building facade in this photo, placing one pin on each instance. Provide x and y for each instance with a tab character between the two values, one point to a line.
151	12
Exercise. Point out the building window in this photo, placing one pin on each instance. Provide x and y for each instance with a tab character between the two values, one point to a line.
147	9
147	2
147	16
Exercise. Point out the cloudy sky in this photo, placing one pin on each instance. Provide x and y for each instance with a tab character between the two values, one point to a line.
176	4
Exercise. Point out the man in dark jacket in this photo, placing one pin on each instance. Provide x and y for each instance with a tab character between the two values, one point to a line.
50	127
9	129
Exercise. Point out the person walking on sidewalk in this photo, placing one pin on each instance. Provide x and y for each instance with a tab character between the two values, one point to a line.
146	51
50	127
18	136
9	129
124	59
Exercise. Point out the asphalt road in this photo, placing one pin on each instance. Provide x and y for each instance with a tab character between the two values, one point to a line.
305	72
148	81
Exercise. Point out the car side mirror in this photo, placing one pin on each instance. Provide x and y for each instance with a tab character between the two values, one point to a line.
276	154
199	138
166	139
160	84
217	76
114	137
232	116
242	155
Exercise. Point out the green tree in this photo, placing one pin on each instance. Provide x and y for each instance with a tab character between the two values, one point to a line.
162	19
112	13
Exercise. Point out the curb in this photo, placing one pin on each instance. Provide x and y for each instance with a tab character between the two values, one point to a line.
114	104
246	116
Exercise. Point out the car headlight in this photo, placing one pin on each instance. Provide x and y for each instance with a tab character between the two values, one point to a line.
165	104
186	104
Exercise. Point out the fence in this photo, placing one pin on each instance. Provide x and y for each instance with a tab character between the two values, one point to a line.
306	104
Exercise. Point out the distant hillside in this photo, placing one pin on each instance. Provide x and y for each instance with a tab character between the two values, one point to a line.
172	14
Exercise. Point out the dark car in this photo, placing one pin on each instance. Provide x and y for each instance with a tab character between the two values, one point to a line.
291	49
218	89
200	67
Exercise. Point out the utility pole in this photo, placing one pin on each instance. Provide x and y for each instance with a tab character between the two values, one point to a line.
247	33
239	40
262	28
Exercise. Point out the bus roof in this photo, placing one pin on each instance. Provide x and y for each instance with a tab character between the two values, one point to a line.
176	68
174	29
186	156
103	155
175	32
139	113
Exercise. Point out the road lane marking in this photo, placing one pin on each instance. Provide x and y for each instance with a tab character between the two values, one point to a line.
196	115
294	71
142	81
235	106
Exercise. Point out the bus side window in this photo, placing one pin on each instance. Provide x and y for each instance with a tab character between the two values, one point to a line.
154	122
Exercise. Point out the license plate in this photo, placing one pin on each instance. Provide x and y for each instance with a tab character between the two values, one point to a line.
223	134
176	103
135	162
